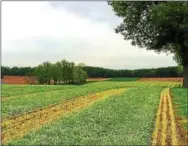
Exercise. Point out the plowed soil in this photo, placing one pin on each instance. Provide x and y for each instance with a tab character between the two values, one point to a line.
18	79
162	79
26	79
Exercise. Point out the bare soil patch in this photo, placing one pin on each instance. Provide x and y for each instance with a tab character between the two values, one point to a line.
162	79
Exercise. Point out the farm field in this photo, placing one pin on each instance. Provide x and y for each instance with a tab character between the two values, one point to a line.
104	122
15	79
168	130
97	79
123	79
42	99
28	89
94	73
98	113
180	79
24	79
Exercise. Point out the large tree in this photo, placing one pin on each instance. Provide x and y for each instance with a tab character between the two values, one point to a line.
156	25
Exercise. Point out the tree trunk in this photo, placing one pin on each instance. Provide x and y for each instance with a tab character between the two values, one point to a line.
185	66
185	76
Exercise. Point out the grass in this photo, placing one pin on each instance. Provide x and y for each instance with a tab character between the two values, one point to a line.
126	119
123	79
180	99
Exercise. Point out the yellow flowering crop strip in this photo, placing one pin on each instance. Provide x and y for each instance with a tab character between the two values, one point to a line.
19	126
164	122
158	122
165	132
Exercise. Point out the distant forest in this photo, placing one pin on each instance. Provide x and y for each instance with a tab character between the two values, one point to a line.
175	71
61	72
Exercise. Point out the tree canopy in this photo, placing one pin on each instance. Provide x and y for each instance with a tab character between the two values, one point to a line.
94	72
156	25
62	72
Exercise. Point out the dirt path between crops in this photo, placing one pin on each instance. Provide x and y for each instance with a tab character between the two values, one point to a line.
19	126
167	130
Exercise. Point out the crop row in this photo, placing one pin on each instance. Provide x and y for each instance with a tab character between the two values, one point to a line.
17	127
16	90
19	104
125	119
25	103
166	130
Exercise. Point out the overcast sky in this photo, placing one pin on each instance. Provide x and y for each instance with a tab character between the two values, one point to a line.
81	31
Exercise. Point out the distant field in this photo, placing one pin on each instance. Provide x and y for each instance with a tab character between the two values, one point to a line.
17	79
24	79
123	79
97	79
179	79
169	79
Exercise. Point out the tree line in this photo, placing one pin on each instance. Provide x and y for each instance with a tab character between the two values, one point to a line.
176	71
16	71
61	72
67	72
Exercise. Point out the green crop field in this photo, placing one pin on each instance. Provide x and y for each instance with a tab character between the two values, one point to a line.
123	79
98	113
180	97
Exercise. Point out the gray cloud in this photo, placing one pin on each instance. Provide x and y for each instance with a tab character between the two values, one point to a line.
34	50
129	62
95	10
83	33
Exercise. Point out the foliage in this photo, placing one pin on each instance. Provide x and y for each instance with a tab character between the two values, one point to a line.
179	70
105	73
62	72
153	72
16	71
42	72
156	25
79	75
159	26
